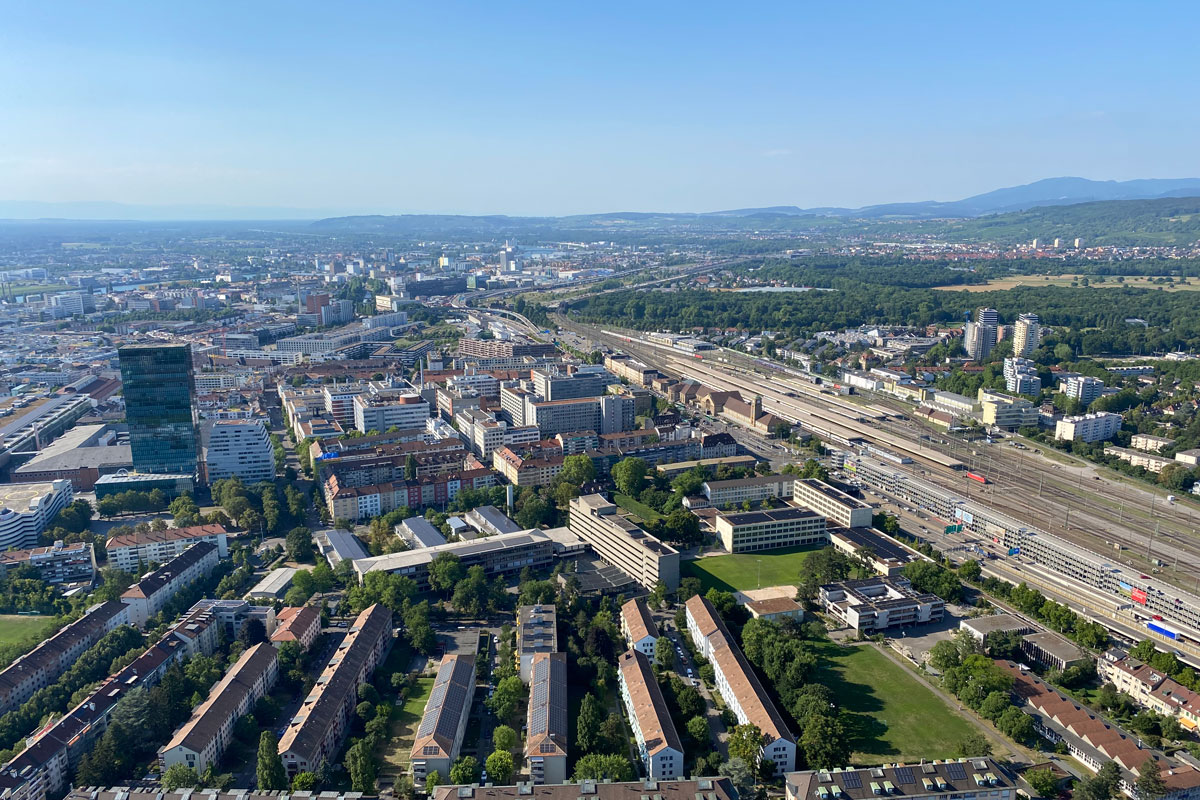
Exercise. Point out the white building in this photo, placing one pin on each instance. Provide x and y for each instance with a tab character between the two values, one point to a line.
26	509
237	448
638	628
376	413
125	552
1027	335
1083	388
657	740
1088	427
1020	376
148	596
839	507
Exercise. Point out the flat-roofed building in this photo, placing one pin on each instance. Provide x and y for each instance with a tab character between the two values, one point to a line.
707	788
148	596
315	734
419	532
623	544
338	545
738	684
833	503
128	550
537	632
1088	427
929	780
297	624
887	555
57	564
768	529
1053	651
439	736
871	605
1151	444
274	584
26	510
202	740
490	521
657	740
498	555
546	719
638	628
753	490
1147	461
982	627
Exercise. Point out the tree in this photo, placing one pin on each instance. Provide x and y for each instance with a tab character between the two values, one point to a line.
944	655
970	570
587	725
1101	786
1042	781
745	742
299	544
508	695
432	781
304	782
180	776
500	766
465	770
1150	784
503	738
824	742
577	470
445	571
697	728
664	654
596	766
974	745
629	474
253	632
738	771
270	770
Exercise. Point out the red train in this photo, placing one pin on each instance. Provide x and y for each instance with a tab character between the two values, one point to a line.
975	476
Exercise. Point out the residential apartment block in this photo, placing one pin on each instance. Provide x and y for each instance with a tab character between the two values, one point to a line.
546	719
1088	427
439	736
58	564
316	733
658	741
127	551
537	632
619	542
237	448
638	628
930	780
301	625
202	740
706	788
148	596
737	682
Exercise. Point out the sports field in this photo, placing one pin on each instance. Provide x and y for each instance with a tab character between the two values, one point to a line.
396	750
891	716
747	570
16	628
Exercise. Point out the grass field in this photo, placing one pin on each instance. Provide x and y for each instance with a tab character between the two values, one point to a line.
403	728
636	507
1109	282
891	715
747	571
16	628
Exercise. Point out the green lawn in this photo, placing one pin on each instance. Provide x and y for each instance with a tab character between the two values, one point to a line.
891	715
403	728
636	507
748	570
15	628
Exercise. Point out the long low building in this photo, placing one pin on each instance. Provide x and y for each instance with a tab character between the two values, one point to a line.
738	684
546	719
638	628
148	596
439	737
929	780
623	544
706	788
871	605
771	528
127	551
43	665
201	741
839	507
649	717
754	489
498	555
316	732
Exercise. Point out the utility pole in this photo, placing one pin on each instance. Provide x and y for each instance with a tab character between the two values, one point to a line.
1150	544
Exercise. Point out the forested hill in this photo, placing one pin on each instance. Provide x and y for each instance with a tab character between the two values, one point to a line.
1095	316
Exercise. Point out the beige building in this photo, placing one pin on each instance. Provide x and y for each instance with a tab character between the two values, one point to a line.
1008	413
638	628
839	507
1151	444
158	547
768	529
649	717
754	489
623	544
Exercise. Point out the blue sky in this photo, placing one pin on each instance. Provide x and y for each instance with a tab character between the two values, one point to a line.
558	108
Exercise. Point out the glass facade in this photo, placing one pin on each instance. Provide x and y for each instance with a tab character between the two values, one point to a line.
159	386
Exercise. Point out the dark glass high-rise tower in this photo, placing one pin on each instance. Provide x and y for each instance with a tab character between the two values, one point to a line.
159	386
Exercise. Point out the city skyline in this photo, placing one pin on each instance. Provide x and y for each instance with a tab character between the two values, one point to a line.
560	111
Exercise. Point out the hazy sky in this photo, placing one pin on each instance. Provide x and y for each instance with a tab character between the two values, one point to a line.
569	107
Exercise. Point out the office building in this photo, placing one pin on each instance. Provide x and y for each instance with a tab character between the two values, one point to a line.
490	521
419	532
148	596
237	448
339	401
1088	427
202	740
754	489
44	664
834	504
1020	376
622	544
1027	335
26	510
930	780
1083	388
159	386
440	735
638	628
586	381
379	413
127	551
737	682
316	733
751	531
546	719
1008	413
649	717
537	632
498	555
59	563
505	348
876	604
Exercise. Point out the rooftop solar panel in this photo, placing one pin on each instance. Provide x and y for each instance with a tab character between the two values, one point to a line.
905	775
851	780
956	771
